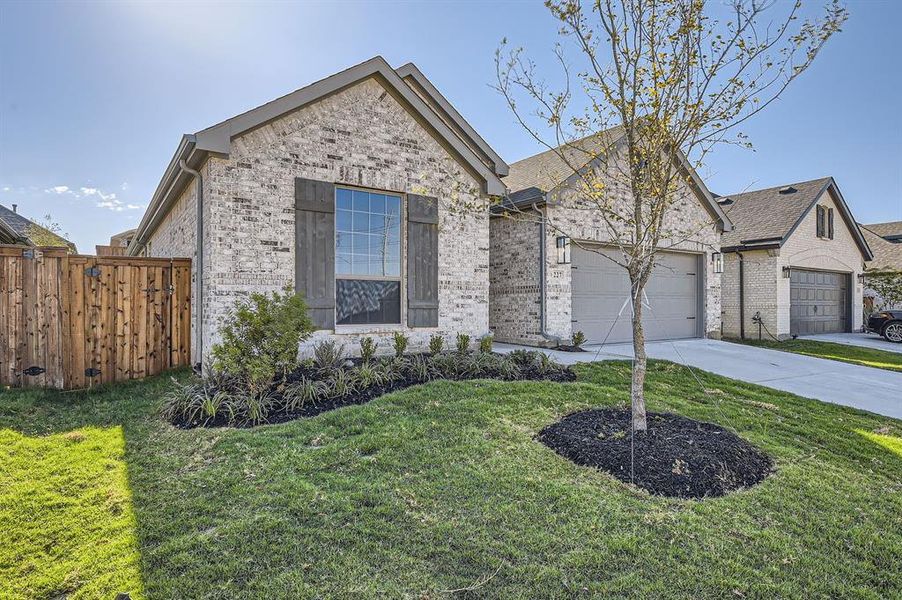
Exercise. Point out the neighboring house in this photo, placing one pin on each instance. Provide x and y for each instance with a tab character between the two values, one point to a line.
118	244
793	260
885	240
16	229
367	191
538	298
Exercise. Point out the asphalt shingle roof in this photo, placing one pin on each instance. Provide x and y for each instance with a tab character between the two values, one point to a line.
768	214
28	229
887	255
885	229
546	170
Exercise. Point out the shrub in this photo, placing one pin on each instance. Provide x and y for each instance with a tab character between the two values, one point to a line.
463	343
367	349
328	355
485	343
304	392
392	369
400	341
260	337
523	358
436	343
579	338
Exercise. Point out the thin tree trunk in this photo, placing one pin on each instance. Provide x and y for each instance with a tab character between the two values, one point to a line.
637	390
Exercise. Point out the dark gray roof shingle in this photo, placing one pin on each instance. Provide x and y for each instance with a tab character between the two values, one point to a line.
767	214
29	230
887	255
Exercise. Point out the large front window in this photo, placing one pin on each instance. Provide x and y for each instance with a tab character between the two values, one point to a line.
367	257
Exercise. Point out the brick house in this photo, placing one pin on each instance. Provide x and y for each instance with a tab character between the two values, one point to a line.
367	191
885	241
539	297
792	262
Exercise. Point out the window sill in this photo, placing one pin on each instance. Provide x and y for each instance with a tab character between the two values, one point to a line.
369	329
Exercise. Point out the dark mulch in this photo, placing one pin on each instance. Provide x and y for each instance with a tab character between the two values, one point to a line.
570	349
360	397
675	457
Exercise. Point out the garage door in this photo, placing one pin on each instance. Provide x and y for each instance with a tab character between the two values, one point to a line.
818	302
600	288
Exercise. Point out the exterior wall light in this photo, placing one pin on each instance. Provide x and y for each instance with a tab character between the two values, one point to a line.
717	261
861	277
787	272
563	250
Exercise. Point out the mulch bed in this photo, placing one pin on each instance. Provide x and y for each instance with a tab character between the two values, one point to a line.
360	397
676	456
570	349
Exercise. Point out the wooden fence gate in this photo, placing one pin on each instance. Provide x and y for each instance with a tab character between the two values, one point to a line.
71	321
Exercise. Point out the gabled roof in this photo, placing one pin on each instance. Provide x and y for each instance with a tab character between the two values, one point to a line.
28	232
537	175
437	116
889	230
887	255
767	217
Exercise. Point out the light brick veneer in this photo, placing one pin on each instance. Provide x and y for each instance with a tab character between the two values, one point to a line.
515	267
767	290
361	136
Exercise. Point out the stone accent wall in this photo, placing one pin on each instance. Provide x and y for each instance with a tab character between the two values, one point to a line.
691	228
361	136
514	279
760	273
766	289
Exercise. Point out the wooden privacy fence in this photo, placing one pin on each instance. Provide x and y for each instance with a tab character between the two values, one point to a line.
71	321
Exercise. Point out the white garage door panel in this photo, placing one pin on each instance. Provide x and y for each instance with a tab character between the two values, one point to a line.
600	287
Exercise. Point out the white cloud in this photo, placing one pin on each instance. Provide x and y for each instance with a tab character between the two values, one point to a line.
6	188
124	186
105	200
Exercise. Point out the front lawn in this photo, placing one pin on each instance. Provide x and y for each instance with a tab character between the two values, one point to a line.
857	355
437	488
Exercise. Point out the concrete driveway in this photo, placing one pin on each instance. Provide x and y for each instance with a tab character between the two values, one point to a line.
874	390
865	340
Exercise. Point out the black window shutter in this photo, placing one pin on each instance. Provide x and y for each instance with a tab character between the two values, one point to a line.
422	261
830	223
314	252
820	221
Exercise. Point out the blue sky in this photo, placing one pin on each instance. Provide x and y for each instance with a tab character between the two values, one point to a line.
95	96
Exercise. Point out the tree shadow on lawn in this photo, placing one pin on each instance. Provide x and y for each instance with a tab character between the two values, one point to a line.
443	486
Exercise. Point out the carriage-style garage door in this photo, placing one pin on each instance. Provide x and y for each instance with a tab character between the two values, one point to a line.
600	288
818	302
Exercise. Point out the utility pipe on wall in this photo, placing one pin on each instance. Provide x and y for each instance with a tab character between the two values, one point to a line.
741	297
199	262
542	280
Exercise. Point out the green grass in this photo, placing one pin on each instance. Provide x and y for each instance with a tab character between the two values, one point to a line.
856	355
437	488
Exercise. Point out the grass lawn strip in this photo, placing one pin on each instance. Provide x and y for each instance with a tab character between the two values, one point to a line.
856	355
441	486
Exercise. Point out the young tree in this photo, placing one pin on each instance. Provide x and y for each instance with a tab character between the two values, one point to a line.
653	87
887	285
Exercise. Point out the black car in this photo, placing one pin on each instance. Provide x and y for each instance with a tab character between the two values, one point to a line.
887	323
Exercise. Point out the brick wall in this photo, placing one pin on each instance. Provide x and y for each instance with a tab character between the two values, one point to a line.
514	279
761	271
361	136
766	289
690	226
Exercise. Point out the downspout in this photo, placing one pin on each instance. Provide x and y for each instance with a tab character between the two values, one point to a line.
199	263
542	281
741	297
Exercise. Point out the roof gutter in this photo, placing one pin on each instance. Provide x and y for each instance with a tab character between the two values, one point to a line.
162	197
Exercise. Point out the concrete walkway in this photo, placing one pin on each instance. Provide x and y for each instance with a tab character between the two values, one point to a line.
865	340
875	390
